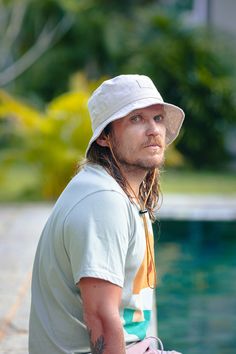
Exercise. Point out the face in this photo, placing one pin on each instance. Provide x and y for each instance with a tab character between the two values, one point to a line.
138	139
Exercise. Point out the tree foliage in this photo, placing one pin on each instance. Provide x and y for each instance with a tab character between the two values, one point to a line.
191	73
13	63
109	37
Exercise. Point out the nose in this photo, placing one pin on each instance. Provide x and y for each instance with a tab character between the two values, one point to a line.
155	128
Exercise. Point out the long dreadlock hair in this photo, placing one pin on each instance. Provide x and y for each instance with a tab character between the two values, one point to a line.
102	156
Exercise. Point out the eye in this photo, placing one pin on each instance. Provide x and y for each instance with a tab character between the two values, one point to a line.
136	118
158	118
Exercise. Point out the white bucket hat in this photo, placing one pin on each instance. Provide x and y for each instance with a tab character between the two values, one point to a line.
117	97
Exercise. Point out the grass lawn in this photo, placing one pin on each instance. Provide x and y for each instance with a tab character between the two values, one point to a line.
21	184
203	182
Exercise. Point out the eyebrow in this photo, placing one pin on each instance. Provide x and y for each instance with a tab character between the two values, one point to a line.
162	112
135	112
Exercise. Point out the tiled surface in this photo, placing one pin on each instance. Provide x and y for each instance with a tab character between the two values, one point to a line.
20	227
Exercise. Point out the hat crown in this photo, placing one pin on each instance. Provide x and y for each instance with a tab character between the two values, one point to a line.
116	93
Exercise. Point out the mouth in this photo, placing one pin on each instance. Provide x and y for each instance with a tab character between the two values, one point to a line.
153	149
153	146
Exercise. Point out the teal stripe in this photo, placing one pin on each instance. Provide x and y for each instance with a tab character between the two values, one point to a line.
137	328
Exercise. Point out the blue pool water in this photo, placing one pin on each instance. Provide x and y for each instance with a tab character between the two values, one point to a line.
196	293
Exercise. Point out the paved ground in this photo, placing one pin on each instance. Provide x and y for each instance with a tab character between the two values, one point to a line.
20	228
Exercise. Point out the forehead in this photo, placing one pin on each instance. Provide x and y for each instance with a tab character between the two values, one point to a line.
154	109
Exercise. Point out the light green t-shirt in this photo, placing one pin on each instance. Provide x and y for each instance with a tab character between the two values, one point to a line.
94	231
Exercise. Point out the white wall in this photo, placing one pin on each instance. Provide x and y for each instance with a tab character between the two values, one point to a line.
223	14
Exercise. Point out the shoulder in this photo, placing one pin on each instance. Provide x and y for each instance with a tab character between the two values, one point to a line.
93	196
103	215
97	177
91	179
95	191
101	205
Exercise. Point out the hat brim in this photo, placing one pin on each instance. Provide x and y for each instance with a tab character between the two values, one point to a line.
174	117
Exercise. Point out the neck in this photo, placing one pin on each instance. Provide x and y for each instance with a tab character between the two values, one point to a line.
134	177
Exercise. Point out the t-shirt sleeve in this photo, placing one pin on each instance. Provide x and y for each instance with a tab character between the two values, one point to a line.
96	233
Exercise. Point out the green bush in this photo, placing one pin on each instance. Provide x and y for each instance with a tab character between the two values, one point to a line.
51	141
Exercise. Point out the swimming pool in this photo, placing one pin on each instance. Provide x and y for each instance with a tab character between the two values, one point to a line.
196	293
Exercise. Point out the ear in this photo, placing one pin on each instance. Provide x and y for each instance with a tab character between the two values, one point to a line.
102	140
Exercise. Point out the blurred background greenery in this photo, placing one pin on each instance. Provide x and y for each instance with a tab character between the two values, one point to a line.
54	53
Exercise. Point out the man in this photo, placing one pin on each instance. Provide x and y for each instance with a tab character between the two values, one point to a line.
94	270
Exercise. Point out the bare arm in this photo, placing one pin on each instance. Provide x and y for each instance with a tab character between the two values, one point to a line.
101	300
